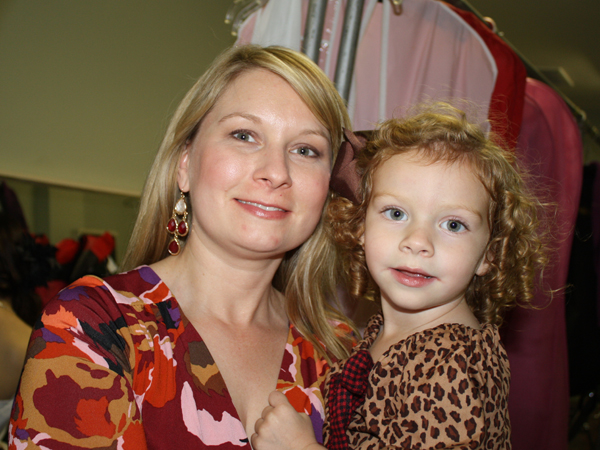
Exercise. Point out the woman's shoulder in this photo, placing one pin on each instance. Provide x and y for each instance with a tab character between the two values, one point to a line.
130	297
138	285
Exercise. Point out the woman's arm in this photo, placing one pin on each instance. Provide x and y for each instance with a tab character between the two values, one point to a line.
76	387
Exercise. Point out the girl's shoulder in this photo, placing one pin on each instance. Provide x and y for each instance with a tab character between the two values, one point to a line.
451	344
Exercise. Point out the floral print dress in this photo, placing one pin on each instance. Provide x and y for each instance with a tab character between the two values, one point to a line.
115	364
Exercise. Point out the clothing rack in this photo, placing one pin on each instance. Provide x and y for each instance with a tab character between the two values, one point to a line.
349	41
313	32
533	72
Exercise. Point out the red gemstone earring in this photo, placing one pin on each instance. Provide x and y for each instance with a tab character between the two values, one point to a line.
178	227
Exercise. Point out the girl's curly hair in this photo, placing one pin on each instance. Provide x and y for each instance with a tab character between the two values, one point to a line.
515	250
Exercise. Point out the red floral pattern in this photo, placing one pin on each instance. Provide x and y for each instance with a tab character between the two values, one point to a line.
115	364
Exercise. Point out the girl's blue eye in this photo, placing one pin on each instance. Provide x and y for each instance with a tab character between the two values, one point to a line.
243	136
453	225
305	151
394	214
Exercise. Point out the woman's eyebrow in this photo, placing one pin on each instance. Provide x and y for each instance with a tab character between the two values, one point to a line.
250	117
258	120
317	132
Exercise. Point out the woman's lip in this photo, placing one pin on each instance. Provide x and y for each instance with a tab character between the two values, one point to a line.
261	205
262	211
412	277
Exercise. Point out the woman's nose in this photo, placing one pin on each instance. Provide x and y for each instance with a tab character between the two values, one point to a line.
417	240
273	167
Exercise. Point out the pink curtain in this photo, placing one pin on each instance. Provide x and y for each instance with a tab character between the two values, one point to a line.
550	146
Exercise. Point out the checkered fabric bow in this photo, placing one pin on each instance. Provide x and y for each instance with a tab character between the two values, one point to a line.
346	392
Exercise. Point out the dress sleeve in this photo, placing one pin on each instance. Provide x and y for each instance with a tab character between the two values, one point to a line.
76	390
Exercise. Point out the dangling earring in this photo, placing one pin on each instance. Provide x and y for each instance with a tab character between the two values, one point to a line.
177	227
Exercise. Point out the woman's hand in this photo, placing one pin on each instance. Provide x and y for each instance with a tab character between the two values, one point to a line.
282	428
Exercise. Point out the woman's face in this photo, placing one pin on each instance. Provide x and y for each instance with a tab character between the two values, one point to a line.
257	170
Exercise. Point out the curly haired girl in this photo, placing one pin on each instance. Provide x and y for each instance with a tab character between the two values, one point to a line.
443	232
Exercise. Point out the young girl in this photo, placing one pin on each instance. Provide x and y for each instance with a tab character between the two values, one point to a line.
443	233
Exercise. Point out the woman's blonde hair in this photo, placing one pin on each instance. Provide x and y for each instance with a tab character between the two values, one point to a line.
148	243
440	132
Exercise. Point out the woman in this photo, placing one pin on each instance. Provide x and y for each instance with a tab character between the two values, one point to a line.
184	350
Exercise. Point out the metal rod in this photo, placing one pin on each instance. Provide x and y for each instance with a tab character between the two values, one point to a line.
348	44
313	30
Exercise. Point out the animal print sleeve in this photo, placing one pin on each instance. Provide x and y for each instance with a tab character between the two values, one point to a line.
445	388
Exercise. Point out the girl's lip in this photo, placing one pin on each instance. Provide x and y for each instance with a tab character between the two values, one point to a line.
413	272
412	277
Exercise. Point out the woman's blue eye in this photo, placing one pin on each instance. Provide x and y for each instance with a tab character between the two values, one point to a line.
243	136
394	214
305	151
453	225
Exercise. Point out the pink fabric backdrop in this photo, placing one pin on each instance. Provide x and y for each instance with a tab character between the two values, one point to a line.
550	145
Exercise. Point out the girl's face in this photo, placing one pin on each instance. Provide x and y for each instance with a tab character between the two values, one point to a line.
257	170
426	233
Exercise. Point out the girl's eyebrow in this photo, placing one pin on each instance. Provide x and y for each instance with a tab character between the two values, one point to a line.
385	194
464	208
399	198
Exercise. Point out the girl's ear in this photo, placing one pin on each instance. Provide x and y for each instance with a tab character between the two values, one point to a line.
484	264
183	179
361	235
483	267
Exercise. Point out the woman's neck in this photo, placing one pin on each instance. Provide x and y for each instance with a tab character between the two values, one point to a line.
232	290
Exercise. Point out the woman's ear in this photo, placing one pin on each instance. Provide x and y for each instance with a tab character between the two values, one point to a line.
183	179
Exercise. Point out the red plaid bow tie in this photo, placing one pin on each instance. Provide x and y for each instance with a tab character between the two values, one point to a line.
346	392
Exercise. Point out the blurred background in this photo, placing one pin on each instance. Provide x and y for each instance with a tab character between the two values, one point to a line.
87	88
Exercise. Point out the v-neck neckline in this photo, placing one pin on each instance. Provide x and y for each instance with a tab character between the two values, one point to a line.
196	337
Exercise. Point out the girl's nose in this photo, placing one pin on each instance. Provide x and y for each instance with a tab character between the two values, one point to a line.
417	240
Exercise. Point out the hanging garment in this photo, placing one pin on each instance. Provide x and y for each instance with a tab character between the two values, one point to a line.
550	147
508	97
427	53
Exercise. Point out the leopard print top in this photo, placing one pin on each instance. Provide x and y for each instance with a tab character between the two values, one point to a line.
445	387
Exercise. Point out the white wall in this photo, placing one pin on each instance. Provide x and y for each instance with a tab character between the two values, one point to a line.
87	87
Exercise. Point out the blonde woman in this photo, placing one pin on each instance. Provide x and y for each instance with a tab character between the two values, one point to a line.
183	350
